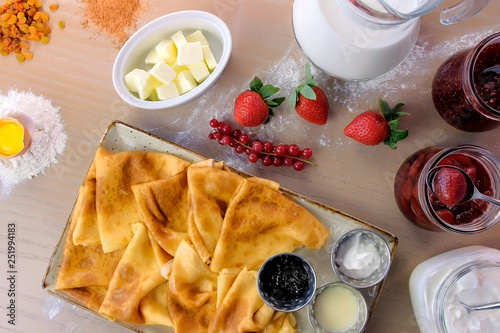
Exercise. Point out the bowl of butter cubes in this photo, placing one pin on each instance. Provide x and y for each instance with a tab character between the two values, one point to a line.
172	60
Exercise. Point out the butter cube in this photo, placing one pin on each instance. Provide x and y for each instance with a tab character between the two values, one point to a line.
179	39
209	57
197	36
153	96
152	57
178	68
140	82
185	82
190	53
199	70
163	72
166	50
167	91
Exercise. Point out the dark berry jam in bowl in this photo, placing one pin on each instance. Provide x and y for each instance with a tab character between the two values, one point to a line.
286	282
464	95
424	209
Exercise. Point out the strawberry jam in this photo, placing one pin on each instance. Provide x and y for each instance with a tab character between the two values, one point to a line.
424	209
464	95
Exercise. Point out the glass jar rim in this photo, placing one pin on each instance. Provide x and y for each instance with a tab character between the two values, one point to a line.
448	282
469	77
470	228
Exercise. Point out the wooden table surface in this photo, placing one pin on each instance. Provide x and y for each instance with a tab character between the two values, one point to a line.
74	72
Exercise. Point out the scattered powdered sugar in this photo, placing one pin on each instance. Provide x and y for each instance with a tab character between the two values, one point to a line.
422	57
48	139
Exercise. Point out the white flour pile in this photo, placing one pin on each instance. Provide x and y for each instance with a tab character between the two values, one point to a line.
48	138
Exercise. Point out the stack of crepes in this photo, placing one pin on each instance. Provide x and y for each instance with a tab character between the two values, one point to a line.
155	240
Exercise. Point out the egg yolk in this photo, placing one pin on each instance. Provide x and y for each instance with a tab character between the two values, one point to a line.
11	138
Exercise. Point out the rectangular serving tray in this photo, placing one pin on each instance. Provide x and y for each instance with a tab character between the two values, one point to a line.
122	137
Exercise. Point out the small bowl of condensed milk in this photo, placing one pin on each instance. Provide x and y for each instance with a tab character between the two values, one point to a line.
337	307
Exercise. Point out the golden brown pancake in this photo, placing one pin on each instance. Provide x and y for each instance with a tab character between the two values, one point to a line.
136	276
115	202
192	291
86	230
261	222
242	309
210	191
85	271
163	207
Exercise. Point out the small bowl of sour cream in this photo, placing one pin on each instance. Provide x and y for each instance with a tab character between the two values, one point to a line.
286	282
337	307
361	258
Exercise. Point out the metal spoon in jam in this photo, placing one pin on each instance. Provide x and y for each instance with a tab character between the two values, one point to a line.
492	70
453	186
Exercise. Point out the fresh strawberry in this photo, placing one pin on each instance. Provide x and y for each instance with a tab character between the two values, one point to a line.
450	186
310	101
373	127
253	107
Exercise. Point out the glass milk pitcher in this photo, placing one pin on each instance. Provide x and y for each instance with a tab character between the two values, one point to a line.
363	39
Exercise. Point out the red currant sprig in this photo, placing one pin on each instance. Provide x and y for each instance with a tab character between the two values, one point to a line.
288	155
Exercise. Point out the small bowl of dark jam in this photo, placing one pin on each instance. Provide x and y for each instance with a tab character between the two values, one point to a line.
286	282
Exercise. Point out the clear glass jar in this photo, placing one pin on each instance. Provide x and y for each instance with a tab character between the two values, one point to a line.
425	210
437	286
464	96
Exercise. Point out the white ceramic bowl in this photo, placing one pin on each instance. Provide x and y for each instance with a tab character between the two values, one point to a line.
134	52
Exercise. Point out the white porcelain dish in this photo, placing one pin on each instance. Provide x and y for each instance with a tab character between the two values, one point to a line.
134	52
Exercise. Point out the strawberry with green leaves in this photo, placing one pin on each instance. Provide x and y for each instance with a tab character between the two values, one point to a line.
374	127
310	101
254	107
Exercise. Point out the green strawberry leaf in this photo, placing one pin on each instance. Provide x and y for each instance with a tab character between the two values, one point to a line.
271	114
309	76
256	84
395	134
307	92
268	90
292	100
275	101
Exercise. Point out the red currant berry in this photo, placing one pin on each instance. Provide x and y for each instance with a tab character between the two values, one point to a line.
214	123
221	124
294	150
253	157
233	144
277	161
217	135
244	139
268	146
225	140
236	134
280	150
298	165
306	153
288	161
267	160
239	149
257	146
226	129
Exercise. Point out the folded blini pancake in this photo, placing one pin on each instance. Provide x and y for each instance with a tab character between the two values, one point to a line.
192	291
85	271
241	309
261	222
115	201
86	230
282	323
132	288
163	207
210	191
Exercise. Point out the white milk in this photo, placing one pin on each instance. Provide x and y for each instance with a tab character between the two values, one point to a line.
346	49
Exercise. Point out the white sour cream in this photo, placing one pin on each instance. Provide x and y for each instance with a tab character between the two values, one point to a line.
358	257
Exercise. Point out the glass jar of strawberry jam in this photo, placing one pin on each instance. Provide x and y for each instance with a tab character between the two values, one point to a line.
424	209
465	95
